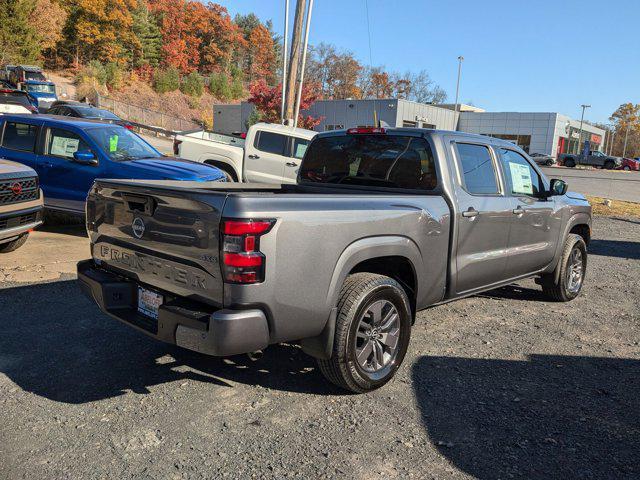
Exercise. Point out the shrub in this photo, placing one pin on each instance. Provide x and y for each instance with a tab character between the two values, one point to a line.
166	80
93	72
219	86
192	85
114	76
237	89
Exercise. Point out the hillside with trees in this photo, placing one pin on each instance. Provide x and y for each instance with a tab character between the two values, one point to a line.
175	53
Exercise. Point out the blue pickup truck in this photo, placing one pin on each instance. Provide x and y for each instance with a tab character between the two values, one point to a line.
69	154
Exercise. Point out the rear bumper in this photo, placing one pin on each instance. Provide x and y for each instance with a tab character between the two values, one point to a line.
181	322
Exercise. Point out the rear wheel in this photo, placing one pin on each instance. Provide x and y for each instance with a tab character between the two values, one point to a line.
549	163
14	244
627	168
229	174
373	327
570	162
572	269
609	165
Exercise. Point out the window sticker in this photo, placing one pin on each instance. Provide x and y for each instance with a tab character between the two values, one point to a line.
64	147
300	149
113	143
521	179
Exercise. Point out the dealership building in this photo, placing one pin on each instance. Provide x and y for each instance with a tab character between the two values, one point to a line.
548	133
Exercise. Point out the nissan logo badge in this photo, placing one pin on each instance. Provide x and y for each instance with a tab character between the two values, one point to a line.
138	227
16	189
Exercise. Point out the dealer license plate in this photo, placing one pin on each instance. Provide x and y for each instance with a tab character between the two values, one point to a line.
149	302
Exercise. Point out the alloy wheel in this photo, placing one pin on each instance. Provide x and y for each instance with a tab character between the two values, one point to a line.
377	337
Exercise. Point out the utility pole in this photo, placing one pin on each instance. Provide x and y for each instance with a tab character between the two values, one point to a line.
612	143
460	59
294	61
584	107
296	110
626	137
285	54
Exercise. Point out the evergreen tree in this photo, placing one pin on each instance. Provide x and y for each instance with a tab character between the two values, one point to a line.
19	41
147	30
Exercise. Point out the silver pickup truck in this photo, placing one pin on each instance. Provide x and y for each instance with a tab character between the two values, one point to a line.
383	223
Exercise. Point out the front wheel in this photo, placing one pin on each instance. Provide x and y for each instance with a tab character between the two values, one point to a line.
14	244
565	285
570	162
627	168
373	326
609	165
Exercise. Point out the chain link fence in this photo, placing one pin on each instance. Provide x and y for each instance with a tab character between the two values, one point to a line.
145	116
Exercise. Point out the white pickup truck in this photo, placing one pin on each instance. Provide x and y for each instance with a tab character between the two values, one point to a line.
270	153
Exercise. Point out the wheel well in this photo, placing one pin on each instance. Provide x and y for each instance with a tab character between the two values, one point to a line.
583	230
223	166
398	268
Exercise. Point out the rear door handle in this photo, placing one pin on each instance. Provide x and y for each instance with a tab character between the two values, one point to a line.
518	210
472	212
253	155
291	164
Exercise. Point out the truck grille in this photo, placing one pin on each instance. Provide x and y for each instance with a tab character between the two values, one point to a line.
18	190
18	221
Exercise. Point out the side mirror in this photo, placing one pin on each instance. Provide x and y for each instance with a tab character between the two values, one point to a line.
558	187
85	157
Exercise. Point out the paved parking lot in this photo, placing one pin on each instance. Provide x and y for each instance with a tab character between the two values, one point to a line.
503	385
613	184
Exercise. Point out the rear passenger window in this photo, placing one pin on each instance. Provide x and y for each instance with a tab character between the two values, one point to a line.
20	136
271	143
478	172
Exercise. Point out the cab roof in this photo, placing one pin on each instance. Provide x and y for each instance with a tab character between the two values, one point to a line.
54	120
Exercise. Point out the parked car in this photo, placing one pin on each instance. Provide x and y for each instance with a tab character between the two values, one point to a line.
594	159
20	204
69	154
379	226
543	159
42	93
630	164
15	101
269	154
83	110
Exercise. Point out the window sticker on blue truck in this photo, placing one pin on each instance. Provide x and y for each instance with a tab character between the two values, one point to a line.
64	147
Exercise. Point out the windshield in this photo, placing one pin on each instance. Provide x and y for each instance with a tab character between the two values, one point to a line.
41	88
90	112
392	161
37	76
15	98
121	144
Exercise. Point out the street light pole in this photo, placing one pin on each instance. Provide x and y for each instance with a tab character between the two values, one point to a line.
285	51
460	59
584	107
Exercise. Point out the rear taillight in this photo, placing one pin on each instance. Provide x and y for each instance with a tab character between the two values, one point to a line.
128	126
242	260
176	146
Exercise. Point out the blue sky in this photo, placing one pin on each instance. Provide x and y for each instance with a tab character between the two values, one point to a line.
520	55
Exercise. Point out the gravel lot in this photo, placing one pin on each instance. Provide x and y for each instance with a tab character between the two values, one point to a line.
504	385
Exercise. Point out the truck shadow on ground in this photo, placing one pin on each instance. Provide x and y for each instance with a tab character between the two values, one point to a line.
615	248
57	344
547	417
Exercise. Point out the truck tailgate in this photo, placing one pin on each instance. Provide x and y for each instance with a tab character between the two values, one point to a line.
159	236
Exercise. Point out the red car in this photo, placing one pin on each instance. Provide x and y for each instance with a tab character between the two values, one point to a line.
630	164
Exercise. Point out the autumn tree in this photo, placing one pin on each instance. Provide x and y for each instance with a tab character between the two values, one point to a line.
258	59
104	30
49	32
626	124
337	73
177	36
267	101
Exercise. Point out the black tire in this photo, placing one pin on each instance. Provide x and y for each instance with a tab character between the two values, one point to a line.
570	162
627	168
560	290
360	292
549	163
609	165
229	174
14	244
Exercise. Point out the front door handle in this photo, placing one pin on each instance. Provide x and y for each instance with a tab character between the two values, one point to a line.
518	210
254	156
472	212
291	164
